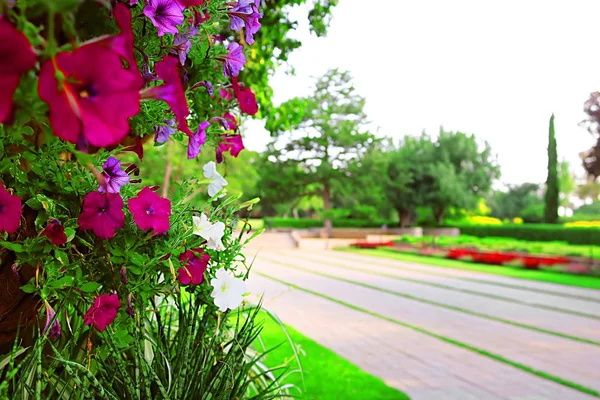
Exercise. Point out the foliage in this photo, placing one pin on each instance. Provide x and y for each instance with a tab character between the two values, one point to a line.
566	183
518	201
588	209
324	135
551	197
306	223
557	248
535	232
319	364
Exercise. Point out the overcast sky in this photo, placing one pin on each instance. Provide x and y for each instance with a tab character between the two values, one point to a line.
495	69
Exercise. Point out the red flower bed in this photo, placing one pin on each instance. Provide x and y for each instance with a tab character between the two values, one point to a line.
455	254
493	258
371	245
499	258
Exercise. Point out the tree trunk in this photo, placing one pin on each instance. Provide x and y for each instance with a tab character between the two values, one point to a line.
327	206
438	213
405	216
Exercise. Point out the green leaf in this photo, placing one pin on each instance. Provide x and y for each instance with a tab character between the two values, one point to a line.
62	282
12	246
89	287
70	232
29	288
61	256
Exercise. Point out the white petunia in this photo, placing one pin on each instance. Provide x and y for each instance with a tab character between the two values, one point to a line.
212	233
216	180
227	290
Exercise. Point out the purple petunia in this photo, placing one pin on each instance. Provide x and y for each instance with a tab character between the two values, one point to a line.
163	132
197	140
182	43
234	61
165	15
150	211
245	15
114	178
52	325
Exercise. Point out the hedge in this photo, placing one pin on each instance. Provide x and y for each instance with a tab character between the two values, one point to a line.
305	223
536	232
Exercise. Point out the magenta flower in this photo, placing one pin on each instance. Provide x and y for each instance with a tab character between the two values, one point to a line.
245	97
199	17
171	92
245	15
103	213
122	43
16	58
51	323
231	121
231	143
96	99
10	211
103	312
226	94
197	140
165	15
55	231
234	61
150	211
191	3
163	132
114	178
193	268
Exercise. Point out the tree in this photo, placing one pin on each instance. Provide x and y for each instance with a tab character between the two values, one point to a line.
566	183
518	201
316	139
551	197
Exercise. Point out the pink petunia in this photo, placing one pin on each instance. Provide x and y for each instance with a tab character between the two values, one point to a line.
55	231
193	268
10	211
171	92
245	97
95	100
103	312
197	140
150	211
103	213
16	58
231	143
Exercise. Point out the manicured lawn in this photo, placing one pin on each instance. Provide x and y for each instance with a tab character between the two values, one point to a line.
544	276
327	376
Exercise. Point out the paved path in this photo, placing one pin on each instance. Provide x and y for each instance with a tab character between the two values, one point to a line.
420	365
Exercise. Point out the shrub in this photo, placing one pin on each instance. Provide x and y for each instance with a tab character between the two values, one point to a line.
307	223
536	232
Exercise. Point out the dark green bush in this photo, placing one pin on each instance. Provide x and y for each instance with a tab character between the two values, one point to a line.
306	223
535	232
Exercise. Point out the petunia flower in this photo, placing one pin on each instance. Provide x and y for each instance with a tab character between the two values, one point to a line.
226	94
191	3
16	58
103	213
114	178
217	182
196	141
96	97
231	121
227	290
234	61
122	43
10	211
103	312
129	309
166	15
163	132
244	14
52	325
55	231
124	280
245	97
212	233
198	17
231	143
150	211
193	268
171	92
207	85
182	43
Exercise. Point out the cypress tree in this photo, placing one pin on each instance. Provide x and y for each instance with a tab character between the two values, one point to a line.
552	190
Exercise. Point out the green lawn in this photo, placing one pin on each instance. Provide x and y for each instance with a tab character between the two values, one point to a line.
513	272
327	376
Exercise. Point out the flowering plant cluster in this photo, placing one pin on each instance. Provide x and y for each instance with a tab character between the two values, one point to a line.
101	270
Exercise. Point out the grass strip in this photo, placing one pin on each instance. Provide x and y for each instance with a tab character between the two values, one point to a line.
594	283
448	287
477	350
435	303
327	376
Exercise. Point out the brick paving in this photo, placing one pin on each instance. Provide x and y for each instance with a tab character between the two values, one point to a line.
425	367
446	277
540	318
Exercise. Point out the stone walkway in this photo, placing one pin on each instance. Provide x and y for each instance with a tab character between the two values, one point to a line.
420	365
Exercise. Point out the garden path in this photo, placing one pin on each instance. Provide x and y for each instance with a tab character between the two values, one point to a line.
423	366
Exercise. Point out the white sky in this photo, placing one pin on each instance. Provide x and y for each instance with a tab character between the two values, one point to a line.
495	69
